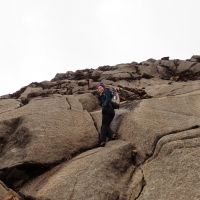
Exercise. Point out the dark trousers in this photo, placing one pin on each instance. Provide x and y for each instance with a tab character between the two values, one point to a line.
107	117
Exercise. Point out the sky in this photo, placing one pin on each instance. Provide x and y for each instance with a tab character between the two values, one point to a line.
39	38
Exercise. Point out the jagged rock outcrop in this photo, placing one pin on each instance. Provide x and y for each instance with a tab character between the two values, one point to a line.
49	133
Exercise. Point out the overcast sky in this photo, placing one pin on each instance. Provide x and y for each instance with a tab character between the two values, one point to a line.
39	38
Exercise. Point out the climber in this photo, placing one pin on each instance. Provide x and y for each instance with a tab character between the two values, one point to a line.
108	113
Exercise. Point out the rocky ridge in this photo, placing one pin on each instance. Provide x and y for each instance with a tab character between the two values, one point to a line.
49	135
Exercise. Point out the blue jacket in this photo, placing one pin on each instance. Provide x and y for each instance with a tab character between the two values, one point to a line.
105	98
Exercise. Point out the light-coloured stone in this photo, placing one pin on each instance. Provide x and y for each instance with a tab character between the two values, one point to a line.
7	105
99	174
154	118
47	126
173	173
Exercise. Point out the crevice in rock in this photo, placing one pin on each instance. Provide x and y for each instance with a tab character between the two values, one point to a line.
24	101
158	148
15	177
95	124
158	138
70	107
143	184
26	197
137	69
182	139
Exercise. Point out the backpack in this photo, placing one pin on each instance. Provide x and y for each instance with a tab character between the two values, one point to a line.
115	101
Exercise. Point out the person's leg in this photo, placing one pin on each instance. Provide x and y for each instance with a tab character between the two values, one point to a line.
103	134
104	129
109	130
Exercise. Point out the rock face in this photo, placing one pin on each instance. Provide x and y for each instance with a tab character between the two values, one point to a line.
96	174
46	126
155	118
7	194
172	172
49	134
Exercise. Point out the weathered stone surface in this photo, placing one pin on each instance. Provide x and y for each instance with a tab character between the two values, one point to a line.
7	105
82	82
7	194
47	126
184	65
116	75
136	185
88	101
173	89
148	71
42	133
99	174
154	118
129	67
195	58
173	171
169	64
74	103
30	90
196	68
96	74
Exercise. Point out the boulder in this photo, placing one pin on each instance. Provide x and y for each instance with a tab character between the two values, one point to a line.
74	102
184	65
88	101
195	58
165	58
170	64
155	118
196	68
116	75
47	126
96	74
172	172
127	67
101	173
149	70
28	91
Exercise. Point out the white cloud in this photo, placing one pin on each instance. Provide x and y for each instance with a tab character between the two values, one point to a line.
39	38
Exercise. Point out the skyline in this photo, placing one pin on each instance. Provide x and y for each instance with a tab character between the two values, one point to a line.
41	38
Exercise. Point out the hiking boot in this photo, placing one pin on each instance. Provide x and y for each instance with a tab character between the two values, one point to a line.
102	144
114	136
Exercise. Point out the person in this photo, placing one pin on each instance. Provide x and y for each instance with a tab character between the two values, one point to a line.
108	113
